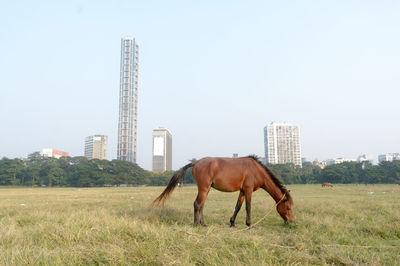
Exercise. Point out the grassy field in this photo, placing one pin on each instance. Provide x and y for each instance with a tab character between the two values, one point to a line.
344	225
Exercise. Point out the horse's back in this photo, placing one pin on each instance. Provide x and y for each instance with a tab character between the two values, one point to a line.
225	174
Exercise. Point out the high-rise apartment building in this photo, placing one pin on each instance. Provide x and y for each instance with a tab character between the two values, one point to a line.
162	150
96	147
128	93
282	144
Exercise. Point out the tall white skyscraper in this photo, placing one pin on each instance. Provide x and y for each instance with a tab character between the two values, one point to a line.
128	93
282	144
96	147
162	150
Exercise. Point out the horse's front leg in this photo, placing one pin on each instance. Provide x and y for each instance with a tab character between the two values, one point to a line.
248	206
237	208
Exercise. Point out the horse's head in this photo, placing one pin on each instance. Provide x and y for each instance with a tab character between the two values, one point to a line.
284	208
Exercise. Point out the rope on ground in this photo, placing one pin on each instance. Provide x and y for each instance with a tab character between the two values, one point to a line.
333	245
289	247
259	221
354	246
330	245
295	247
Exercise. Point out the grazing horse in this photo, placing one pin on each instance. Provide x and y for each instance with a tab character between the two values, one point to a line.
327	184
245	174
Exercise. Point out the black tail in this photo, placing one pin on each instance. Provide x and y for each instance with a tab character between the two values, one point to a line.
176	178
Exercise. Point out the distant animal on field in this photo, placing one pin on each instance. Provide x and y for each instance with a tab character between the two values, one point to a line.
327	184
245	174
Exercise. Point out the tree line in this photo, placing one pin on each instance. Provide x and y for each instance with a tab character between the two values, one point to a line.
343	173
37	170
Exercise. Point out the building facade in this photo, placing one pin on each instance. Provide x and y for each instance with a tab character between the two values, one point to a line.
365	158
162	150
282	144
337	161
96	147
128	93
388	157
53	153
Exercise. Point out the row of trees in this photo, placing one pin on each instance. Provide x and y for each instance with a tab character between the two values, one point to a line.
37	170
344	173
81	172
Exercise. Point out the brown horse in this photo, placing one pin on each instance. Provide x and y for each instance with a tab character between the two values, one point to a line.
327	184
245	174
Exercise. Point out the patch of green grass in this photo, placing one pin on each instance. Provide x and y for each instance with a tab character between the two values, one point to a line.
343	225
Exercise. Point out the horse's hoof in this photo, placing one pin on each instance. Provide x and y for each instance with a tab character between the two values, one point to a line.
232	225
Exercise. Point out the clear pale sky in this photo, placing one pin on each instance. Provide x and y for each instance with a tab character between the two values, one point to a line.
213	72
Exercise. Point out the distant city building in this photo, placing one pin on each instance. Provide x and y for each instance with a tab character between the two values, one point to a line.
263	160
282	144
337	161
235	155
162	150
96	147
365	158
319	164
388	157
128	93
53	153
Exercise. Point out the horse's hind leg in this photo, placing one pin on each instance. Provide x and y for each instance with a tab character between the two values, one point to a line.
237	208
196	211
198	208
202	216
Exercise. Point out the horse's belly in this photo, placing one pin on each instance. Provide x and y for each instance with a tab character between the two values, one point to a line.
227	185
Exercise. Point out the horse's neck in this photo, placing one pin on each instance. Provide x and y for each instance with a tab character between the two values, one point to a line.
273	189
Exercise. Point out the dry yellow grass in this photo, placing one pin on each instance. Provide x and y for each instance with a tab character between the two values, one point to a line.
341	225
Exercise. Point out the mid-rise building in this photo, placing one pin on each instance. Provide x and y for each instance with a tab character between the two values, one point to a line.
128	93
96	147
282	144
53	153
162	150
388	157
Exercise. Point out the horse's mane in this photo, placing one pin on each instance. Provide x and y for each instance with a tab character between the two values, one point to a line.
274	178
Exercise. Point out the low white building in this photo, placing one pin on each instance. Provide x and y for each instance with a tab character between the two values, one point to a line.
337	161
388	157
53	153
